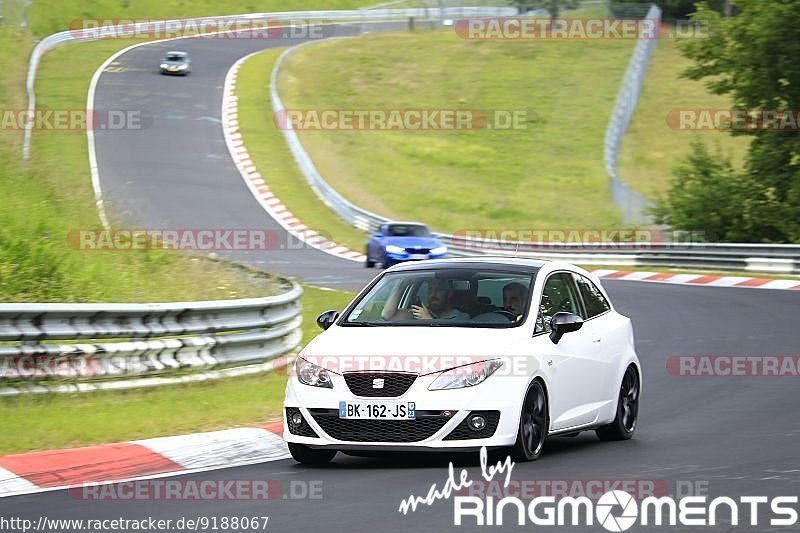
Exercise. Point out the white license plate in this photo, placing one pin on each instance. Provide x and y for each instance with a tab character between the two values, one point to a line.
377	410
419	256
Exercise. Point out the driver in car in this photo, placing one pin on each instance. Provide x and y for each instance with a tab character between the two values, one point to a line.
440	303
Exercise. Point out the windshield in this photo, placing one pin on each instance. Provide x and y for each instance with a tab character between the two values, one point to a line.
175	57
408	230
445	297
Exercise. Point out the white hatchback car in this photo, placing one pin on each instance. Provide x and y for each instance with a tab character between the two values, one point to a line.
456	354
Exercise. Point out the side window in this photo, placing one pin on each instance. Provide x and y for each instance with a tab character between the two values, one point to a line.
559	295
593	299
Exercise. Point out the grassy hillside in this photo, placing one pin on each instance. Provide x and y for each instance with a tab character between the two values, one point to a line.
548	174
651	148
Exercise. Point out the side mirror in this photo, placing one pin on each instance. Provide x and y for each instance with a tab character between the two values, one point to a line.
326	319
436	235
562	323
377	234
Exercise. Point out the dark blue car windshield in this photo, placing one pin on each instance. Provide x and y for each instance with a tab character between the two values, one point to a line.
398	230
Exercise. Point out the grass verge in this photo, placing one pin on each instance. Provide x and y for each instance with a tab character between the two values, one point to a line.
56	421
548	173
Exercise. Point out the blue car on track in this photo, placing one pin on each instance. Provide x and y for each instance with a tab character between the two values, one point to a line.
395	242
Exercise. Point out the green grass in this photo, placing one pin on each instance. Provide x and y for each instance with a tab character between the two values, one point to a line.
269	152
548	175
651	148
50	16
316	300
13	12
57	421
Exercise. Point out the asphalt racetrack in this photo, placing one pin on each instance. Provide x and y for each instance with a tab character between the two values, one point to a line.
733	436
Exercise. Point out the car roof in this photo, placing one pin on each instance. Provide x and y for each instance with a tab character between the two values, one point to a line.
177	53
401	223
490	263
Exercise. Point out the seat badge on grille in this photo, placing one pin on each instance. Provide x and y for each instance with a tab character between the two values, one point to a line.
377	383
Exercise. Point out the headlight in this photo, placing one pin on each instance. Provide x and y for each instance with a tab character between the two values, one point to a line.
465	376
439	250
164	65
310	374
181	67
392	249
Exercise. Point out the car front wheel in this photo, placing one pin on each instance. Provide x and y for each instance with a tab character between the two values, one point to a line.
532	430
310	456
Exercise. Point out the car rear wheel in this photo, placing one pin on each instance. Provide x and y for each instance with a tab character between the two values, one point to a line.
624	424
532	430
310	456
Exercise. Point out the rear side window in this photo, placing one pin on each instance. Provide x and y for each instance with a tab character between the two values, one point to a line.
593	299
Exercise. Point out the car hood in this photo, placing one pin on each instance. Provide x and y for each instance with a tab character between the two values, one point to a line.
412	349
410	242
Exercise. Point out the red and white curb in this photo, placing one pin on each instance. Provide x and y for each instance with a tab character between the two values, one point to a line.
700	279
256	183
143	459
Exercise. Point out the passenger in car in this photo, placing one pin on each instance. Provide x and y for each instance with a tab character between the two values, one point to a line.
514	298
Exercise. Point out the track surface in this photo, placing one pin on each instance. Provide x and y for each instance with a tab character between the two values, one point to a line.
740	435
177	173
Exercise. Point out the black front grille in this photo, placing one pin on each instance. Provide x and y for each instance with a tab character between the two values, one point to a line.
426	425
394	384
464	432
418	250
301	430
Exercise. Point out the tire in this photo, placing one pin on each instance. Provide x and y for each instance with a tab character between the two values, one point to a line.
533	425
624	423
310	456
370	264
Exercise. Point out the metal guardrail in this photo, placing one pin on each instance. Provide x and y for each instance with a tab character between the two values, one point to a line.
781	259
159	340
632	203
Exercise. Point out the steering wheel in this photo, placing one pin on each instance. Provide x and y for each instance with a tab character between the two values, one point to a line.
508	314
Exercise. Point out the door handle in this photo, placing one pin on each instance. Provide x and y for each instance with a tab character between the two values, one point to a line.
596	339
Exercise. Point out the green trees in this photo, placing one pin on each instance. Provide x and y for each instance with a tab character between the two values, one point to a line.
752	57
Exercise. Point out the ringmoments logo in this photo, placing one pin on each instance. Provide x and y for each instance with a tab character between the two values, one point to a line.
618	510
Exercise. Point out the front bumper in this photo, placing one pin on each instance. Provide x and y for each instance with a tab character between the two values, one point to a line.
173	71
392	258
441	422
